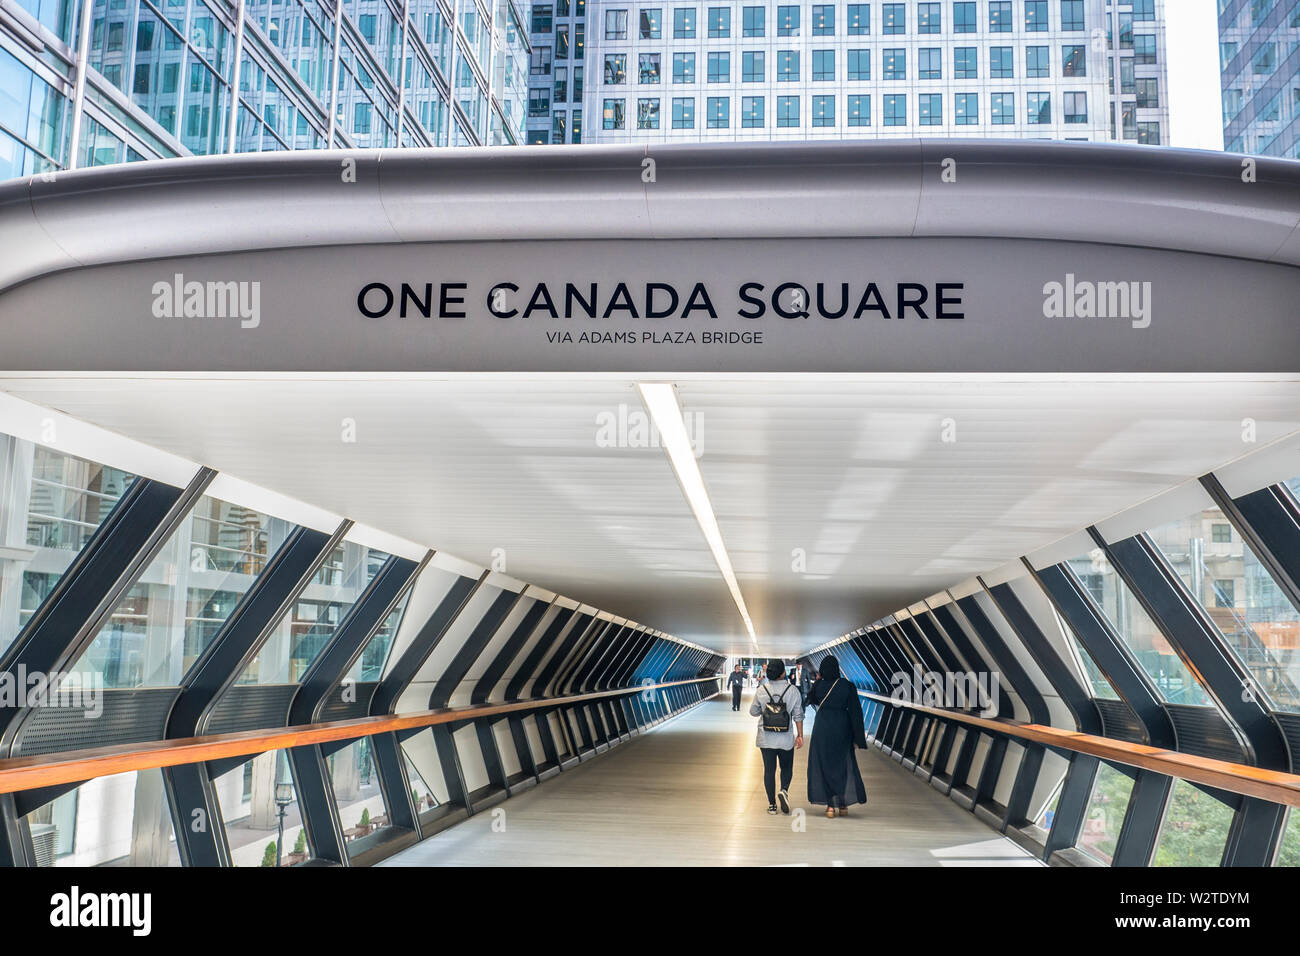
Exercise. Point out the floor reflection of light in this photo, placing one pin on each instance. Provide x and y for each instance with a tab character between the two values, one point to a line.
998	851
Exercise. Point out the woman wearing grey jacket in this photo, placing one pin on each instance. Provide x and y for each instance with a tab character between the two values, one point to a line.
776	747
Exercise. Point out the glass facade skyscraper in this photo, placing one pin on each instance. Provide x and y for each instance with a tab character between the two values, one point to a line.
136	79
1259	47
670	71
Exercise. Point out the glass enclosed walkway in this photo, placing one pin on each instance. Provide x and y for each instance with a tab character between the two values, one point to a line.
690	792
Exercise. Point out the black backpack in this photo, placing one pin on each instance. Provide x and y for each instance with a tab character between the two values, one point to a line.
776	716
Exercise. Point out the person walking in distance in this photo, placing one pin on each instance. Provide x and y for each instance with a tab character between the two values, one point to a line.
736	682
779	709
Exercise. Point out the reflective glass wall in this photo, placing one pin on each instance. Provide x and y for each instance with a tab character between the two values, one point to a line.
181	77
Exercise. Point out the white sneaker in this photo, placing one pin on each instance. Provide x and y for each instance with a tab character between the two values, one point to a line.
784	799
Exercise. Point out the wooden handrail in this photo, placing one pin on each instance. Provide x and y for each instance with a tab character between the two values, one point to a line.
1271	785
76	766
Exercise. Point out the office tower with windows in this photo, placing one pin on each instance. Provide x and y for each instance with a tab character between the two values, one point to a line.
1259	48
123	80
676	70
557	71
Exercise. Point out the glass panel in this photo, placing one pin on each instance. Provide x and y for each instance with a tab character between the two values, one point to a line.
370	665
53	503
1288	853
1096	679
120	820
257	798
1106	808
1137	630
1259	624
421	793
1195	829
171	614
356	792
1045	818
304	631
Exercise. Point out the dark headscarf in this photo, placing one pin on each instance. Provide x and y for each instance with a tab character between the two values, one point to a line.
829	670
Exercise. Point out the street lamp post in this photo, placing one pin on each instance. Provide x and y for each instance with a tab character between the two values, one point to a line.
283	797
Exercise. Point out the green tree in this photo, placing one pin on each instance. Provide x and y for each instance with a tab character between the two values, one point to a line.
365	817
268	858
300	845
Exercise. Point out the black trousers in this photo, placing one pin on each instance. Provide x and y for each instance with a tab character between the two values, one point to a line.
735	697
771	757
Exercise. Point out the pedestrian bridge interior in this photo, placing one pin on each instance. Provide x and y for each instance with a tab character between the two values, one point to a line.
344	618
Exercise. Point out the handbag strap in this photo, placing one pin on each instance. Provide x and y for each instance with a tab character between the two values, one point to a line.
828	693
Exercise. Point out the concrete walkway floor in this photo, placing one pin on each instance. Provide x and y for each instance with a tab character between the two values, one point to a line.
690	793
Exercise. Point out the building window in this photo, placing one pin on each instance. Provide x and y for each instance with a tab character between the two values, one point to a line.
751	112
859	109
615	24
684	112
614	114
539	102
683	67
859	65
893	19
894	63
753	22
823	110
1148	92
1074	61
1221	533
684	24
577	125
930	63
966	107
1039	109
823	21
965	63
541	61
649	67
787	66
652	26
1076	107
1036	16
823	66
1000	16
647	114
787	21
1149	134
615	68
1002	65
964	17
930	109
719	22
859	16
753	66
542	16
895	110
1072	15
718	112
577	91
561	84
557	127
787	111
929	18
1003	108
1225	592
1038	61
720	67
562	42
1144	47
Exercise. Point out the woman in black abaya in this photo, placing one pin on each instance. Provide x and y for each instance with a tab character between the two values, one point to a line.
833	777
